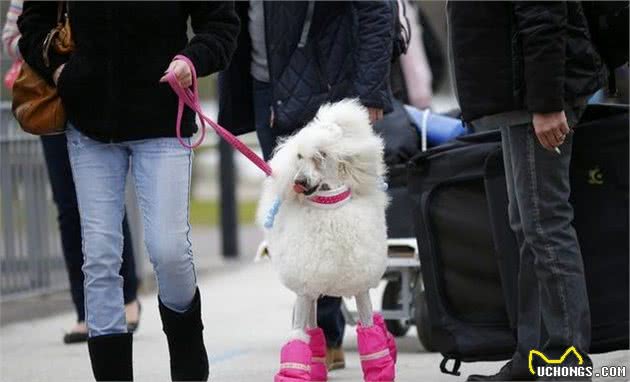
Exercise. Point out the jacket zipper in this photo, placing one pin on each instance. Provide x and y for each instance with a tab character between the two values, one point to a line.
306	27
271	108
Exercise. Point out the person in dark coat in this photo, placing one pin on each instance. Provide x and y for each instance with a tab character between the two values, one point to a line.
292	57
528	68
119	107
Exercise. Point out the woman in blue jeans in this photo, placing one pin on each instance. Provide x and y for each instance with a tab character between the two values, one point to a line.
64	196
121	117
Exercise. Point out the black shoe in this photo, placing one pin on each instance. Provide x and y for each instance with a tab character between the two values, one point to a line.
184	332
507	373
111	357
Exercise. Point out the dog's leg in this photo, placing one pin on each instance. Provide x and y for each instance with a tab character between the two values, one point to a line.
301	313
376	358
364	307
296	355
312	315
317	344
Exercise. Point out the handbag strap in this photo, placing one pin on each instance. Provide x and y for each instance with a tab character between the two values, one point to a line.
190	98
53	32
60	6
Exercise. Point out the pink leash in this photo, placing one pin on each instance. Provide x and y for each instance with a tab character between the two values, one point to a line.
190	98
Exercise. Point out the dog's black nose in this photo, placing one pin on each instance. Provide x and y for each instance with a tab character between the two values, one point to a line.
300	181
302	186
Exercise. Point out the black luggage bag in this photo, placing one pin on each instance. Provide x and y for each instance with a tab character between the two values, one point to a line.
469	254
402	142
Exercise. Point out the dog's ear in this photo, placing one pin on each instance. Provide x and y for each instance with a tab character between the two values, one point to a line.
354	168
360	161
344	164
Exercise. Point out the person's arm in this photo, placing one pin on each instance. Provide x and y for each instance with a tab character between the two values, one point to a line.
414	63
375	37
542	29
35	22
10	31
216	27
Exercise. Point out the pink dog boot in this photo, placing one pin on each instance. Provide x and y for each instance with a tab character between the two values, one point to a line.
391	341
377	364
319	372
295	362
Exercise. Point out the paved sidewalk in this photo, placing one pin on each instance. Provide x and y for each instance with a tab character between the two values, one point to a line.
247	317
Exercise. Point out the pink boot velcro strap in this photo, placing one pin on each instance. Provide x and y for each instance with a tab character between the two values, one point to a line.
377	355
295	366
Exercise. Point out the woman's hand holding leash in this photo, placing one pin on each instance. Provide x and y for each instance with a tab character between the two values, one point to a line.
182	73
189	96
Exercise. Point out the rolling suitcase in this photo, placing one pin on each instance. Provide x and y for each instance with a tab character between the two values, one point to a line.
469	255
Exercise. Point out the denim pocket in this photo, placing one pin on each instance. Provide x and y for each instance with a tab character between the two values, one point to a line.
75	138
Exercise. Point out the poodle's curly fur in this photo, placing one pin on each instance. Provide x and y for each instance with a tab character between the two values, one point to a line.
334	252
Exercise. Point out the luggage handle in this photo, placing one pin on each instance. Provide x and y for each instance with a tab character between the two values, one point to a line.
454	370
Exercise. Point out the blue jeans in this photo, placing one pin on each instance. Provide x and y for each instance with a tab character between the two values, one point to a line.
329	315
63	191
161	169
551	284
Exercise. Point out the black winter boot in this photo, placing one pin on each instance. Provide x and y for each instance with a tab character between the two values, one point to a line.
184	332
111	357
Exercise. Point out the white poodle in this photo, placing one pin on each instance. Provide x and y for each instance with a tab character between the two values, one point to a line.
323	210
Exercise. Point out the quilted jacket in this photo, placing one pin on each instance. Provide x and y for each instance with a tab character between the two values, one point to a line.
344	51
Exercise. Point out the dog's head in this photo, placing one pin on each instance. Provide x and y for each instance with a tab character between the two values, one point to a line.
337	148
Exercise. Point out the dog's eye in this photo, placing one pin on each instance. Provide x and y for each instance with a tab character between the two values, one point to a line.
299	156
322	154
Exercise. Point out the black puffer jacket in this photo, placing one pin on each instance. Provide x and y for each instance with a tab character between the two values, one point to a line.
531	56
347	54
110	85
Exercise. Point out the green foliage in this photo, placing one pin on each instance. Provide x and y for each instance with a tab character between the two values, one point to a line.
206	212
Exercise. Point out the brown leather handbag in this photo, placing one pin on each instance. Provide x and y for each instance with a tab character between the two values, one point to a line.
36	104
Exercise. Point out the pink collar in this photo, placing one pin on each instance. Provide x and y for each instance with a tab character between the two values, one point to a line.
331	198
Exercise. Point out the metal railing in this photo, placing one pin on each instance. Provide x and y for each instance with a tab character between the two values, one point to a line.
31	259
